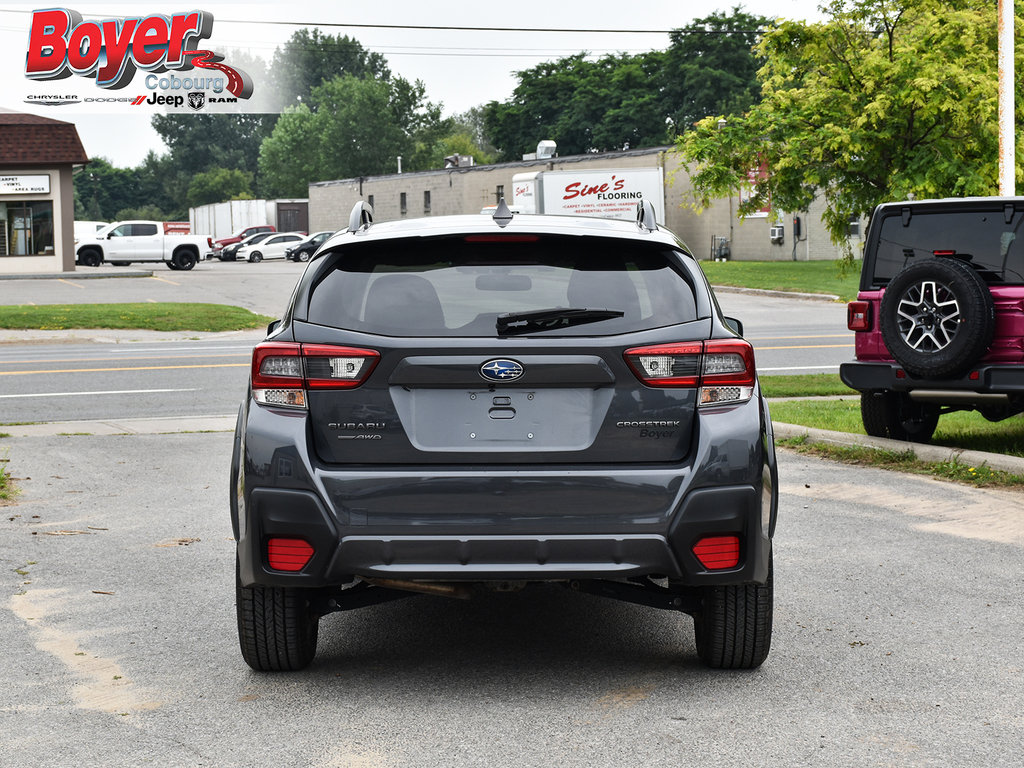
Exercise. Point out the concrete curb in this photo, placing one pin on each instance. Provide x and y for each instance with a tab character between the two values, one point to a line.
829	297
111	336
151	426
96	273
924	452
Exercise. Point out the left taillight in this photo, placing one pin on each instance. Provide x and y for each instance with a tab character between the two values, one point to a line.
283	372
723	370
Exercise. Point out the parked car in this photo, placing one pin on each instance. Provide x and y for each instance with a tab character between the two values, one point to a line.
271	248
239	236
305	249
229	252
464	404
124	242
939	318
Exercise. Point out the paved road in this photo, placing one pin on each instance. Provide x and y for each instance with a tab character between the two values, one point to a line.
144	376
897	639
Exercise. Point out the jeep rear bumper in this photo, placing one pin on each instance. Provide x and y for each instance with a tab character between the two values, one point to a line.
982	380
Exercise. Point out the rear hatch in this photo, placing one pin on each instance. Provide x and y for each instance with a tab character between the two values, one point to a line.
505	349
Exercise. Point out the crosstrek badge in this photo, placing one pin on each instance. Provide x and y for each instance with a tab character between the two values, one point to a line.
62	44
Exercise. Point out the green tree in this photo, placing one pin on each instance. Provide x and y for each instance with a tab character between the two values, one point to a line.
102	189
353	127
289	156
144	212
310	58
710	67
218	185
888	98
200	142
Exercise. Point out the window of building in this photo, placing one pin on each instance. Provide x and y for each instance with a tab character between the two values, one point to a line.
402	204
426	201
369	199
26	228
499	193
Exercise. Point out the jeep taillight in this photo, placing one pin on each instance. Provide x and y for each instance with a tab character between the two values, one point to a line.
723	370
858	316
282	372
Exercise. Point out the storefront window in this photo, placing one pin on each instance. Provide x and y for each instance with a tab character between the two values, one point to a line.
26	228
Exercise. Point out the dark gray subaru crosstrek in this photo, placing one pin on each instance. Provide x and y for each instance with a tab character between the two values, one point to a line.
459	404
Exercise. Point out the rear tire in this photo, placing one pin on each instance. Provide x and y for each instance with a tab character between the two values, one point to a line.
277	629
184	259
895	416
734	626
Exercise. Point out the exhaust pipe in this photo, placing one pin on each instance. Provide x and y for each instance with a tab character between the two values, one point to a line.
440	589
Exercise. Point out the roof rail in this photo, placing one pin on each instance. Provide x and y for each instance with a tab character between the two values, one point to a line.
502	214
361	216
645	216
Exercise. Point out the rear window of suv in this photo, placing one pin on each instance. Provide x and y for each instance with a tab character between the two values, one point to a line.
983	238
459	286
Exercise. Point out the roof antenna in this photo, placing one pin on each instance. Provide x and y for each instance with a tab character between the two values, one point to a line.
502	214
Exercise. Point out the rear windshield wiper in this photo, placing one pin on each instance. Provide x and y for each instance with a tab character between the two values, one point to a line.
550	319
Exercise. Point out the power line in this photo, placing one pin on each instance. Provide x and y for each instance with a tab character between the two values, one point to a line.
435	28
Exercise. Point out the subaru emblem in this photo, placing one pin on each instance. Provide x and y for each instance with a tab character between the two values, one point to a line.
501	370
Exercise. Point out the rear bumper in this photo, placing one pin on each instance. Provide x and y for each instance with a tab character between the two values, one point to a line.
482	523
983	379
343	551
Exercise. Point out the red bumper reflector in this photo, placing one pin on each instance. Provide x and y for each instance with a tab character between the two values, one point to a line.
718	552
288	554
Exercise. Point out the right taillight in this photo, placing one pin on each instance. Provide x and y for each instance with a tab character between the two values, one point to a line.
858	316
282	372
723	370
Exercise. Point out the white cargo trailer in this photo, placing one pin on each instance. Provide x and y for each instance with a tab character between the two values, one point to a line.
606	193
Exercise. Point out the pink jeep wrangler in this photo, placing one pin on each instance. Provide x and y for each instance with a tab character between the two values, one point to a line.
939	318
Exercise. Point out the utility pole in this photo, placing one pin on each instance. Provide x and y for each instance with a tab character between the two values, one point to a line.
1007	128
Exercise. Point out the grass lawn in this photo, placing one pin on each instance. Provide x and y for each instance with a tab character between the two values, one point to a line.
798	276
807	385
906	461
166	316
967	430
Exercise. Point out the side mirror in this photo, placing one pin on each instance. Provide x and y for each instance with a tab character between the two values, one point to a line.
735	324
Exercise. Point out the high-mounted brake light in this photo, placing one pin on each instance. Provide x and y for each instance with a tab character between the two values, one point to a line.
501	238
724	370
858	316
282	372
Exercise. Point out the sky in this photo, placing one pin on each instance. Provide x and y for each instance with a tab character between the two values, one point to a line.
460	69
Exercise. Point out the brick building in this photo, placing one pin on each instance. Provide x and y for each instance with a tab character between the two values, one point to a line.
37	208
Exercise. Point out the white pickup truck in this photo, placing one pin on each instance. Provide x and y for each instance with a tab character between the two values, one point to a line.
126	241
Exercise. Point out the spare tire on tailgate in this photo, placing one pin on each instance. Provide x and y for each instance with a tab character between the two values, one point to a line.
937	317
